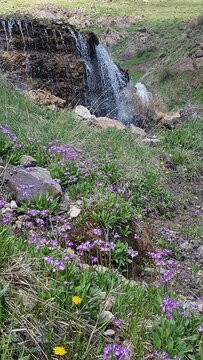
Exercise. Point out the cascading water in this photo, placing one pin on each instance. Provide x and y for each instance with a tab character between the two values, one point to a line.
143	94
112	84
68	64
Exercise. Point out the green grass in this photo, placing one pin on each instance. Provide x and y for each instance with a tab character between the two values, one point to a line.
153	11
36	311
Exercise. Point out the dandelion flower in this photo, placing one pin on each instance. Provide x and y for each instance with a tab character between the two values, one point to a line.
76	300
59	351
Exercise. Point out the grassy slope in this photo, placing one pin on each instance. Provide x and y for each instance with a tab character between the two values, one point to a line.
49	303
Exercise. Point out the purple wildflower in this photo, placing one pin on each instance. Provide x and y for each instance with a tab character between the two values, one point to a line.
119	352
132	253
2	204
200	329
117	322
168	305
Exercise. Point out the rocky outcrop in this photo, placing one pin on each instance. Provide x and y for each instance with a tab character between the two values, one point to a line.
168	120
45	98
60	65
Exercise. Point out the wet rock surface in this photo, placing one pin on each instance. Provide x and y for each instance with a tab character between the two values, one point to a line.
58	66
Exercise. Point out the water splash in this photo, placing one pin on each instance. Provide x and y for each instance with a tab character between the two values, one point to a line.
143	94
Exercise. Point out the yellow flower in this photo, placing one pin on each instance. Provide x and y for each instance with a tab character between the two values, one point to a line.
76	300
162	163
166	172
59	351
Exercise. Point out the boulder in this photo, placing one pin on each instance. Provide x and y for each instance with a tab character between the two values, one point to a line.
82	113
105	123
137	130
25	184
169	120
28	161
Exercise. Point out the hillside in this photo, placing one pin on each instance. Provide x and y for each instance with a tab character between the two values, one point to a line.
101	246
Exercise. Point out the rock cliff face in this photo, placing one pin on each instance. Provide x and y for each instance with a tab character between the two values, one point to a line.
57	58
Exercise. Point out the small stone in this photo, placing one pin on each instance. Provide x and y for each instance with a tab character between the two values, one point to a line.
137	130
106	314
102	295
28	161
200	250
101	268
6	211
13	205
109	332
82	113
74	212
105	123
185	246
151	141
84	266
18	224
200	307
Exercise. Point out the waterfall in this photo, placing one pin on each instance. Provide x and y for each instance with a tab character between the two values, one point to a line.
82	52
22	34
75	66
6	33
112	82
143	94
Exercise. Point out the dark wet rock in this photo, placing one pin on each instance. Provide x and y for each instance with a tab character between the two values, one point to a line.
55	60
27	183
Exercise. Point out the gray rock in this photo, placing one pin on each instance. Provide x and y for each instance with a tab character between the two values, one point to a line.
186	246
137	131
74	212
6	211
28	161
82	113
106	315
200	250
109	332
13	205
25	184
151	141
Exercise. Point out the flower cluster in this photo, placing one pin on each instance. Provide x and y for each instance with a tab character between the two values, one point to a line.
168	306
200	329
2	204
169	269
115	351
